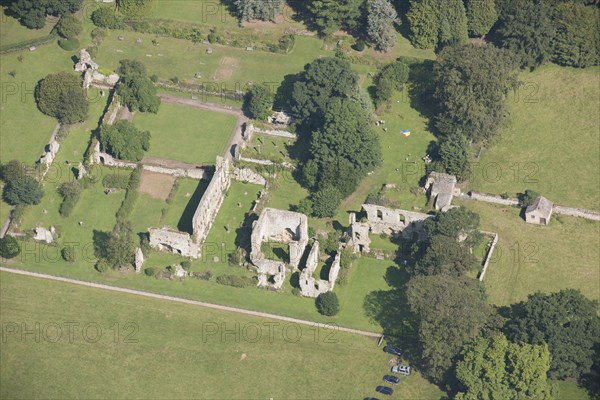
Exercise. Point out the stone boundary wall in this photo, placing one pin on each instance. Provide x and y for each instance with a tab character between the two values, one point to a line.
489	198
249	176
488	257
265	162
577	212
211	201
193	173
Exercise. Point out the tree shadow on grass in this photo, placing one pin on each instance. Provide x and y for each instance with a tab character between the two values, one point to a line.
390	309
100	239
185	222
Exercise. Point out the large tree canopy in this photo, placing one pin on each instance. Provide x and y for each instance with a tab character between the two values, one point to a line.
258	102
472	83
452	311
258	9
32	13
137	90
321	81
61	96
481	16
332	15
577	42
380	24
494	368
23	189
527	29
434	22
567	321
124	141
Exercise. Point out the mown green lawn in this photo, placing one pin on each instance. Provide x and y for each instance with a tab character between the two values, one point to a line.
187	134
13	32
530	258
151	348
551	143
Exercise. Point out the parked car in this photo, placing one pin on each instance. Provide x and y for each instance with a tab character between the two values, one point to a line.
401	369
384	390
391	379
392	350
370	398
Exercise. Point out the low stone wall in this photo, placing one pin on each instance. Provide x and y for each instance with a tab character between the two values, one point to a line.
194	173
99	157
488	257
249	176
265	162
577	212
493	199
166	239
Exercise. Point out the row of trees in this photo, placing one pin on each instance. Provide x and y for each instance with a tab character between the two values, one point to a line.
534	30
479	351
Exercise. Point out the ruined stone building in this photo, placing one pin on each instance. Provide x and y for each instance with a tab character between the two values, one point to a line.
442	189
312	287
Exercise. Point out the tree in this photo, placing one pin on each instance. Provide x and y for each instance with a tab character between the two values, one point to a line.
575	43
106	17
325	202
322	80
258	9
567	321
453	22
346	135
135	8
454	223
481	16
32	14
61	96
129	68
124	141
9	247
259	102
452	311
444	255
139	93
120	246
494	368
527	30
23	189
472	83
424	22
328	304
391	77
455	152
332	15
380	24
69	26
529	197
11	170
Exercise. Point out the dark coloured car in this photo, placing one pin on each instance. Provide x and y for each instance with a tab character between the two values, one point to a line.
370	398
391	379
392	350
384	390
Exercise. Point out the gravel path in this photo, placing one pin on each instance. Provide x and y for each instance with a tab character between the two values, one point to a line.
193	302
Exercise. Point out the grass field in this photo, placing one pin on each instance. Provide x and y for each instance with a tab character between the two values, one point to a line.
530	258
169	354
551	143
186	134
13	32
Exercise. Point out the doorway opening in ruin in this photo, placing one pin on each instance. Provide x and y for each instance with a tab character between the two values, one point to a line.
380	214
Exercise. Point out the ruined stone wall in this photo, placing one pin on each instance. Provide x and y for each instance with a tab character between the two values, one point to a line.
249	176
165	239
387	220
211	200
276	225
193	173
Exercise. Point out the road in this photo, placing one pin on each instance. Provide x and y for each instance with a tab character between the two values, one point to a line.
193	302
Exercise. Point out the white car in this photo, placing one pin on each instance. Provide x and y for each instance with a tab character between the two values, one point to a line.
401	369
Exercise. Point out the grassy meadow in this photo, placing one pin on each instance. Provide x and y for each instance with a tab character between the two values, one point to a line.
186	134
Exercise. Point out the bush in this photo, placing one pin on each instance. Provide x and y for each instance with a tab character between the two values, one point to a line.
236	281
124	141
328	304
213	38
326	201
528	197
68	254
186	265
105	17
258	102
69	44
297	292
151	271
70	191
347	257
102	266
9	247
359	46
116	181
205	276
69	26
331	244
131	195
